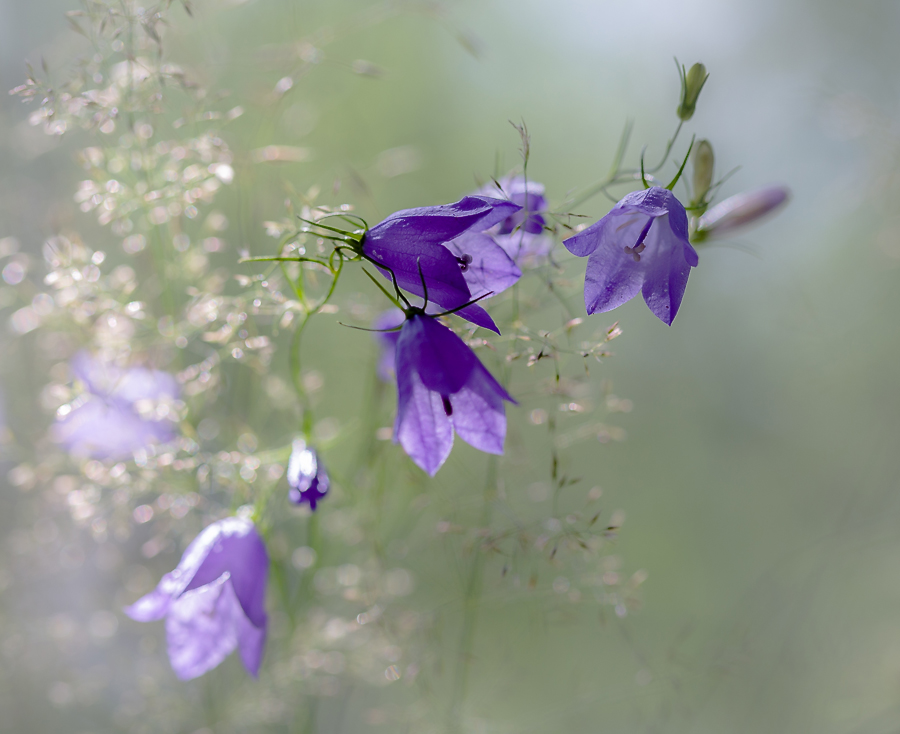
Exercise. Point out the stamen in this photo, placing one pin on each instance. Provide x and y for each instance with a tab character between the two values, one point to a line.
639	246
448	409
464	262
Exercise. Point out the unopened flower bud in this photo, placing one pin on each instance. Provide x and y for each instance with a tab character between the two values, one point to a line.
692	82
741	210
306	475
704	161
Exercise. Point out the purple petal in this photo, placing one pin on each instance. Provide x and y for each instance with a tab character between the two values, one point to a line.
231	545
103	429
440	358
202	628
251	645
422	426
664	286
387	341
489	269
150	607
478	414
438	224
525	249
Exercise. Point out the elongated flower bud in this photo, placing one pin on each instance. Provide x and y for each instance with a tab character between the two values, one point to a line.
691	84
704	162
741	210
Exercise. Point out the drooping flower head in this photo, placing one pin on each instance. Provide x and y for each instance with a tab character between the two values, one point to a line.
521	235
106	421
214	600
306	475
414	244
387	342
442	387
740	210
640	245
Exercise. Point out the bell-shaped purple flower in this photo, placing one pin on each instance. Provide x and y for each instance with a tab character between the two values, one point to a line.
741	210
442	387
306	475
106	422
214	601
640	245
522	235
414	244
387	342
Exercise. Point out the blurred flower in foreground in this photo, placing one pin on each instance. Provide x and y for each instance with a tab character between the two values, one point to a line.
214	601
442	386
524	240
387	341
640	245
414	245
107	420
306	475
740	211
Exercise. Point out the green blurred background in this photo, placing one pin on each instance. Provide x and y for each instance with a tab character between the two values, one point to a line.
760	473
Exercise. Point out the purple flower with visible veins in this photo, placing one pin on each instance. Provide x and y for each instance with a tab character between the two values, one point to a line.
442	387
104	422
306	475
416	244
525	241
641	245
387	342
214	600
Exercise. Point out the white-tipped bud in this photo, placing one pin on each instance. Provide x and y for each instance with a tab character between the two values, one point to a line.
741	210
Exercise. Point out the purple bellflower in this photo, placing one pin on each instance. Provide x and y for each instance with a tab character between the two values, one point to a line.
415	244
104	422
640	245
442	387
214	600
524	240
306	475
740	211
387	341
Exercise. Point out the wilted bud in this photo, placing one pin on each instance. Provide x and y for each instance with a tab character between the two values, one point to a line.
704	161
691	84
740	210
306	476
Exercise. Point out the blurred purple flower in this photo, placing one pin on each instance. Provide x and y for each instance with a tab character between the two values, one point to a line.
387	342
214	601
524	240
740	211
306	475
104	422
442	387
414	239
640	245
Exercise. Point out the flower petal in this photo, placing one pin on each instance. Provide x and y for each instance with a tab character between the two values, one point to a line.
440	358
231	545
150	607
202	628
489	268
611	278
422	426
667	271
478	413
251	645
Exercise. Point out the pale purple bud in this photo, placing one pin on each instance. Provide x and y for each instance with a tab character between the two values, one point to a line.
741	210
